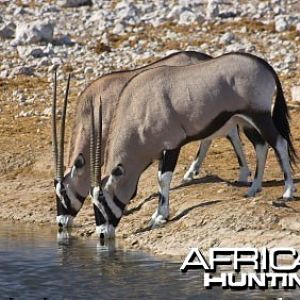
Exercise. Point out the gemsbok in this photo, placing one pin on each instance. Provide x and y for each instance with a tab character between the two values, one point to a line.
163	108
72	186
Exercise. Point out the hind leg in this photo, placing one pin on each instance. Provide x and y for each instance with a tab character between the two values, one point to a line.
281	149
233	137
166	167
196	164
265	125
261	151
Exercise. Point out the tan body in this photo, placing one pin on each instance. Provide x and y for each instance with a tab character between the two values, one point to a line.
166	107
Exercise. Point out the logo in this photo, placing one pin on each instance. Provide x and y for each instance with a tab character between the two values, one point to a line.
275	267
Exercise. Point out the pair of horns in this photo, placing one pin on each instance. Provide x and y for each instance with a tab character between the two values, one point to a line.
95	146
58	150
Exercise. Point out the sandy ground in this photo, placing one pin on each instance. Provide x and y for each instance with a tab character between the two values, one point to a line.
210	211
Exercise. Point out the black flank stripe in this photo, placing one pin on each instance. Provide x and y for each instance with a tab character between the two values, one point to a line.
120	204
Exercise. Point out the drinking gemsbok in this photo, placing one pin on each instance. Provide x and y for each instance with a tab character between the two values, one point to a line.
166	107
72	186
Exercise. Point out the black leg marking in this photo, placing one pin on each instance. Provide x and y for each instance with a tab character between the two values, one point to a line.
167	164
169	160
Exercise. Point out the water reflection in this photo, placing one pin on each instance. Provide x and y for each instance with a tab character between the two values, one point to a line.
34	265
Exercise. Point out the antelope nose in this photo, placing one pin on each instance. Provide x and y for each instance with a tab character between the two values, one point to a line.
101	239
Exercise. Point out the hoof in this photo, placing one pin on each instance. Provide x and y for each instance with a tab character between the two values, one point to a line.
289	193
157	221
252	193
189	177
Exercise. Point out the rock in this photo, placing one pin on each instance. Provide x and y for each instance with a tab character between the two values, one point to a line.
47	112
190	3
50	8
19	11
23	70
56	61
118	29
127	12
64	40
295	92
175	12
23	113
290	59
290	223
188	17
34	32
88	70
44	62
281	24
227	38
212	10
8	31
4	74
74	3
298	27
28	51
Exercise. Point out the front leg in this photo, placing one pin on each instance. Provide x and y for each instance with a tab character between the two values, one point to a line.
166	167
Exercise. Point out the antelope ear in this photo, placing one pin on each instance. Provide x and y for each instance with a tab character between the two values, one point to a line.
115	176
78	164
117	171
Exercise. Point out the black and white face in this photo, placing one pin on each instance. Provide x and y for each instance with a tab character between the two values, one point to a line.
71	192
107	207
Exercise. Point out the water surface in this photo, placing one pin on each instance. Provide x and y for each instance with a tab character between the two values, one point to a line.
34	265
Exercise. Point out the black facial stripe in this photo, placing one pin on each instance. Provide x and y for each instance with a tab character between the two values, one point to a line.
112	219
61	210
98	216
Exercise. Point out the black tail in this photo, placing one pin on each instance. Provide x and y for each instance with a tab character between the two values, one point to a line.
281	118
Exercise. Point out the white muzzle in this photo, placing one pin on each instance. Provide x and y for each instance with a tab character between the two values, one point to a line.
64	221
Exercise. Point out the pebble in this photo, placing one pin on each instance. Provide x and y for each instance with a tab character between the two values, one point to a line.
295	92
281	24
7	31
212	10
74	3
227	38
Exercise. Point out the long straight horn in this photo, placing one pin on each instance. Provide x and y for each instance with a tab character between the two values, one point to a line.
53	124
98	147
92	146
62	134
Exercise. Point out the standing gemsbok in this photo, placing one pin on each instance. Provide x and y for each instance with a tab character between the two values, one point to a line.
166	107
73	186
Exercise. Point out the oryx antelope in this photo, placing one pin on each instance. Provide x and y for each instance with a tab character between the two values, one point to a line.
166	107
73	187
